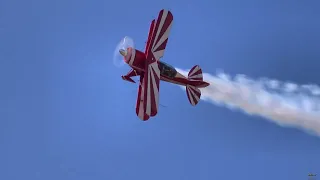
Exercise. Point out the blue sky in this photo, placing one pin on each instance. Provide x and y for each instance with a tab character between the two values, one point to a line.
65	112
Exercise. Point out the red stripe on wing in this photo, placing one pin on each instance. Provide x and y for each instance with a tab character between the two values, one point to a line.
150	34
140	111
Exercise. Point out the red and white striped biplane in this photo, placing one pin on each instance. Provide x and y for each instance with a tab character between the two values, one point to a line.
151	70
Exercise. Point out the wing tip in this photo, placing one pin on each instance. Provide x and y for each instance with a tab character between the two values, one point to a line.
169	13
153	113
145	117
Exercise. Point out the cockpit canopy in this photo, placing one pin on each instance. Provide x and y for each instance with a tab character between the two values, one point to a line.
167	70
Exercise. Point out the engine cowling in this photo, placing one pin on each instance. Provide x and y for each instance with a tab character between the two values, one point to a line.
133	56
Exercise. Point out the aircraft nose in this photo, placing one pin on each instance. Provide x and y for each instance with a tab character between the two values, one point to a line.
123	52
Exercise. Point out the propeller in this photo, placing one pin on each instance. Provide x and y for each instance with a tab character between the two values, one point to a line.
121	51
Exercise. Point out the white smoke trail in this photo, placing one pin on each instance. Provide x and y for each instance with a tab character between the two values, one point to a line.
286	104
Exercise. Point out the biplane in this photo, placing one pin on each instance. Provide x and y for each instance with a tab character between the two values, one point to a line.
151	70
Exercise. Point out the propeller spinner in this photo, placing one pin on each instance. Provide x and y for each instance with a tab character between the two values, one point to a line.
121	49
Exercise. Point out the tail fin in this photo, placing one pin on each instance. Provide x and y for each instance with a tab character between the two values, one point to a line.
195	73
193	94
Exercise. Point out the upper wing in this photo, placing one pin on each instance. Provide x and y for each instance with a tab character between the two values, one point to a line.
148	93
158	35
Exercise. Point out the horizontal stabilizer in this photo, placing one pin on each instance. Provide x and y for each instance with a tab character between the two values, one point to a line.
195	73
193	94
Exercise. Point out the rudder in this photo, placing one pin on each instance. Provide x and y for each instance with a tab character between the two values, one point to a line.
193	94
195	73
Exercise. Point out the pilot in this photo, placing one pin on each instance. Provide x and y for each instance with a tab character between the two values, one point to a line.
166	71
